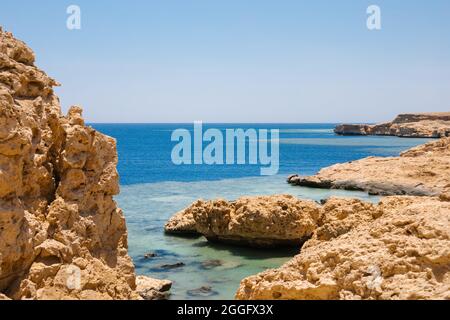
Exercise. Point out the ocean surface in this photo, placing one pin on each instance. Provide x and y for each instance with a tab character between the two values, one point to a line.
153	189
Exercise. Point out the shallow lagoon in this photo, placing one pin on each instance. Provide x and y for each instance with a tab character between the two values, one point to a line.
153	189
148	206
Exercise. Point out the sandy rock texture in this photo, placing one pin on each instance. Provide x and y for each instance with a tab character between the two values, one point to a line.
153	289
62	236
398	249
251	221
421	171
425	125
183	222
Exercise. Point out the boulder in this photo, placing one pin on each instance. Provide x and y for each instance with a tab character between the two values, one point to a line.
253	221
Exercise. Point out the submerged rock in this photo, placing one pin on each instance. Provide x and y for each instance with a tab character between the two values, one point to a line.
172	266
150	255
420	171
204	291
210	264
253	221
423	125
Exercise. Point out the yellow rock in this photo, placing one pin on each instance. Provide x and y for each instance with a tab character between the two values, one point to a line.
61	233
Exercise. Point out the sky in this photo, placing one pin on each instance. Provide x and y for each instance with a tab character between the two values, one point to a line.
240	60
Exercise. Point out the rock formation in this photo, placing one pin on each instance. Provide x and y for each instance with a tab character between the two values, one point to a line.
61	233
153	289
424	125
422	171
182	222
252	221
398	249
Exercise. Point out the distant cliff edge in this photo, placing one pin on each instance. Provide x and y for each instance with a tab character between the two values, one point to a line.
417	125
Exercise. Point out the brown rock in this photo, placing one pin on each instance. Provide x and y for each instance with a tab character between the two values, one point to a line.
3	297
421	171
399	249
61	233
153	289
253	221
424	125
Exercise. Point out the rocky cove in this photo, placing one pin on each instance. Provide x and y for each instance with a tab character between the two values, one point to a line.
58	182
397	248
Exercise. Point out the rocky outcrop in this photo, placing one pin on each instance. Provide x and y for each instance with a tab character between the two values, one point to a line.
398	249
424	125
153	289
421	171
62	236
252	221
182	222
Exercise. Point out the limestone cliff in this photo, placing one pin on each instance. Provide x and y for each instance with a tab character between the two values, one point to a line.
422	171
62	236
425	125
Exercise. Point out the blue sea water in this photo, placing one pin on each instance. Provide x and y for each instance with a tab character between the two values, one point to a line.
153	189
145	151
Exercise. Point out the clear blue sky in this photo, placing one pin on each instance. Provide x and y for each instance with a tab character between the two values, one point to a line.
241	60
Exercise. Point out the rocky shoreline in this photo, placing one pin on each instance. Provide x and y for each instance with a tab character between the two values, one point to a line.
420	171
62	235
396	250
349	249
416	125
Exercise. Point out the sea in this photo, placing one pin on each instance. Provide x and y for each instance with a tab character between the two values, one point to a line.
153	188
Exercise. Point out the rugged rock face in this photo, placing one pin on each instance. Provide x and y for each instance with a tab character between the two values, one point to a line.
398	249
61	233
252	221
426	125
422	171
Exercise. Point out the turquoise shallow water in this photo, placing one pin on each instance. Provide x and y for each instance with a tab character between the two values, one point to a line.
148	206
153	189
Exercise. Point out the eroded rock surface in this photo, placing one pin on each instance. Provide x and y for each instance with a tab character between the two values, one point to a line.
253	221
421	171
425	125
182	223
153	289
62	236
398	249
